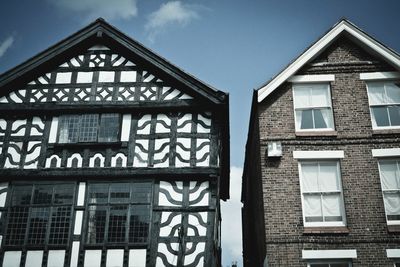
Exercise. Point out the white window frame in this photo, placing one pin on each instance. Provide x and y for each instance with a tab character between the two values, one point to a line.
394	255
298	84
311	157
373	121
349	263
329	256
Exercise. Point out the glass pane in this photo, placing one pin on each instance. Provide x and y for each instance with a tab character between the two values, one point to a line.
339	265
312	207
64	194
376	93
306	119
117	224
380	115
328	178
321	118
60	223
39	218
394	114
302	97
109	127
69	129
389	174
22	195
43	194
141	192
320	96
309	177
17	225
139	224
319	265
96	224
393	93
120	193
88	128
392	203
331	207
98	193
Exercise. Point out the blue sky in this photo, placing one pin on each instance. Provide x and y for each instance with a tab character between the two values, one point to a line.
233	45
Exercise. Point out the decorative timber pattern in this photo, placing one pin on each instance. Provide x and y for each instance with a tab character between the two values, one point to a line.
99	75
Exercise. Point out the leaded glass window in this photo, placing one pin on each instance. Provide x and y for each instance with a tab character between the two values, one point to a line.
118	212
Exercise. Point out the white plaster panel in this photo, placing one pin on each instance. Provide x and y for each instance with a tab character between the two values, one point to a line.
106	76
126	127
12	259
160	152
162	198
160	128
194	221
75	254
78	222
63	77
166	230
53	130
202	152
149	78
137	258
37	121
171	258
34	258
185	154
56	258
128	76
81	194
3	197
195	196
206	121
14	128
144	122
143	154
32	154
115	258
3	126
99	47
185	96
185	123
190	258
84	77
14	154
92	258
15	98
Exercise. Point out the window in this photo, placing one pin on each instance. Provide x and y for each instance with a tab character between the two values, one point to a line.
118	213
321	193
89	128
313	108
329	264
389	170
384	101
39	214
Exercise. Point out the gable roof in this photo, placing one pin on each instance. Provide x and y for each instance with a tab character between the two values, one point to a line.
100	32
343	26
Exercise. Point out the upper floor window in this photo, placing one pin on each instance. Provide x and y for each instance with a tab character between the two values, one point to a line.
330	264
390	179
384	101
313	108
321	193
89	128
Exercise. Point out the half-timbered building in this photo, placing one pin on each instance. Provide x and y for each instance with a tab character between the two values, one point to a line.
110	156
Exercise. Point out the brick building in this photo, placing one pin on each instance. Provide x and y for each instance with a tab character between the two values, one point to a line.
321	182
110	156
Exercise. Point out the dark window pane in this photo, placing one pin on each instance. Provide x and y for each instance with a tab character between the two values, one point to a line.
314	219
393	217
88	128
139	224
381	116
141	192
96	224
109	127
333	218
60	223
64	194
339	265
119	193
69	129
17	225
319	119
98	193
306	119
319	265
394	113
39	218
21	195
117	224
43	194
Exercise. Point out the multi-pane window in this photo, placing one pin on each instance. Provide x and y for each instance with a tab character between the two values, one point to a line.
313	108
39	214
390	179
321	193
89	128
384	101
118	212
330	264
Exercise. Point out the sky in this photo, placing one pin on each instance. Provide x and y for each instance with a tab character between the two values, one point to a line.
233	45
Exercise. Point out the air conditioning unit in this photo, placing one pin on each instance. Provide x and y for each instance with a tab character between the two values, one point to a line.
274	149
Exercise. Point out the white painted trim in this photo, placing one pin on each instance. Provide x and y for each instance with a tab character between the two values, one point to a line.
53	130
312	78
393	253
126	127
321	44
74	254
323	154
81	194
379	75
329	254
78	222
386	152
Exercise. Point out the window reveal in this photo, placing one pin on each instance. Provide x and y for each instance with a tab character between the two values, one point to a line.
89	128
39	214
390	179
118	212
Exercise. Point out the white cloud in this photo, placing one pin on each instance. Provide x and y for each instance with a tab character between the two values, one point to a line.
5	45
109	9
173	12
232	220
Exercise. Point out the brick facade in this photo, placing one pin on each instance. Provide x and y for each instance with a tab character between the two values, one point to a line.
366	227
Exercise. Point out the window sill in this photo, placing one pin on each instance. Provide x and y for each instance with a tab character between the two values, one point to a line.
385	131
326	230
393	228
89	144
316	133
